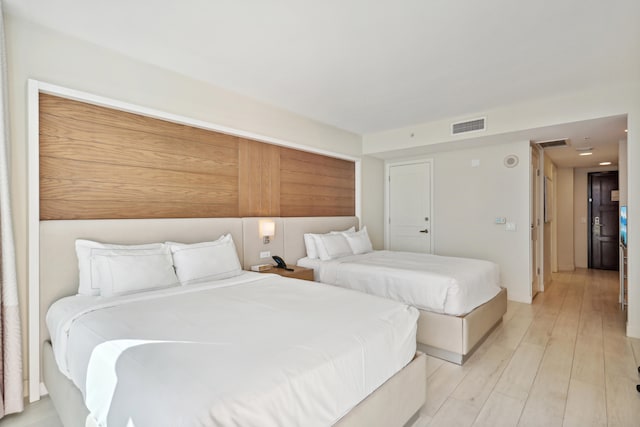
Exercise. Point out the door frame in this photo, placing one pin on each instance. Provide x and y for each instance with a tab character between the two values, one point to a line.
387	167
537	206
590	212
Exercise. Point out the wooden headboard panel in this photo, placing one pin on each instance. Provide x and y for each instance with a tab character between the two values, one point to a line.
99	163
130	178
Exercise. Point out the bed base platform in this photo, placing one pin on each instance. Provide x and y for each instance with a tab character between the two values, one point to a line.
397	402
455	338
66	397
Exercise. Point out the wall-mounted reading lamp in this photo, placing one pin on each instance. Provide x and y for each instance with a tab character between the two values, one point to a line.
267	230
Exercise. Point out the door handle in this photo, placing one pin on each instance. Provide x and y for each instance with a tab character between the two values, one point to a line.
424	231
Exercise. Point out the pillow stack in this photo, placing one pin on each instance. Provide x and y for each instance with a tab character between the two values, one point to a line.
337	244
108	270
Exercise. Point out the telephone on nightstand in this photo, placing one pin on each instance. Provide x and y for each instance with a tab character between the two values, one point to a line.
280	263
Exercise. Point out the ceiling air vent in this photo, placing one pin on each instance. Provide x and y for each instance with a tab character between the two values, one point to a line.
468	126
554	143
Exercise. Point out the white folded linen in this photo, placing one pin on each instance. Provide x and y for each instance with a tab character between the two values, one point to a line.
253	350
435	283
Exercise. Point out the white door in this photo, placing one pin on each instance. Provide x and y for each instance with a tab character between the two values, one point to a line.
410	207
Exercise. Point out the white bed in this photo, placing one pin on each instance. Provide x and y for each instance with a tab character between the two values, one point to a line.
287	357
254	350
460	299
449	285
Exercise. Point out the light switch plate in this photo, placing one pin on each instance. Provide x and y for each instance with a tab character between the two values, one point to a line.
265	254
511	226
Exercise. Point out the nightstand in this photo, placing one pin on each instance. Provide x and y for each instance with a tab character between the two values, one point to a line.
297	273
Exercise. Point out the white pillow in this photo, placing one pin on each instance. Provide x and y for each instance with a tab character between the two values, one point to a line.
359	241
348	230
124	271
83	252
310	245
205	261
332	246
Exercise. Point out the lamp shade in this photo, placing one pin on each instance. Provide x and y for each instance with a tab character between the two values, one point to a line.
267	228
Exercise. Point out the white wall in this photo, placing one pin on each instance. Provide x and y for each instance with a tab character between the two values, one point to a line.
373	199
565	218
623	176
468	199
38	53
615	99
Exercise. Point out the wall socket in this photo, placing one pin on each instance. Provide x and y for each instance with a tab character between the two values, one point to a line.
265	254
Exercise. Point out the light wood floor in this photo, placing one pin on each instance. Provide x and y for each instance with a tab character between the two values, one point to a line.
563	360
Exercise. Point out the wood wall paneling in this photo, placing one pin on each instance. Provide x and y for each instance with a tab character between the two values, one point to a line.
315	185
97	162
259	178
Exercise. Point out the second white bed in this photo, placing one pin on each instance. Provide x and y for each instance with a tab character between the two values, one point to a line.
449	285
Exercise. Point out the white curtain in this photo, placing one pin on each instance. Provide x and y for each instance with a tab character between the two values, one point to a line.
11	397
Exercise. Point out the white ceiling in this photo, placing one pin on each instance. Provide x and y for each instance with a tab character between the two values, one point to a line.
602	135
364	65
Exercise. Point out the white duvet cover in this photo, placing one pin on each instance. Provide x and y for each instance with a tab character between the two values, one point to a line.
441	284
255	350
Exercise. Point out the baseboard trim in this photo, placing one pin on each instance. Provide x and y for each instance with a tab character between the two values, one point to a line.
567	267
632	332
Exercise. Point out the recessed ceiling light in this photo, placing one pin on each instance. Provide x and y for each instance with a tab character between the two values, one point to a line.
605	163
586	154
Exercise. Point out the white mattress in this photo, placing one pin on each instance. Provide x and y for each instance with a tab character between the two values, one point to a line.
435	283
255	350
